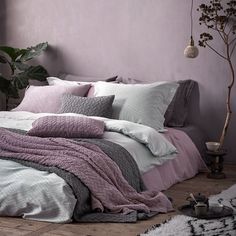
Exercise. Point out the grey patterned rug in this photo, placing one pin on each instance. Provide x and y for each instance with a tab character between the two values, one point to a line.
181	225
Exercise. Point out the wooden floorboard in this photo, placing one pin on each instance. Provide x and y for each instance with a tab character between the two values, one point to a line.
179	192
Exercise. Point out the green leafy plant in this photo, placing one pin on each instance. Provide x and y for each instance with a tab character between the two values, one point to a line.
20	72
219	17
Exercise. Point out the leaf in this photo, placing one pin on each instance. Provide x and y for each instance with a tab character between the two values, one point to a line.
19	53
37	73
13	92
7	88
3	59
21	80
13	53
21	66
4	84
33	51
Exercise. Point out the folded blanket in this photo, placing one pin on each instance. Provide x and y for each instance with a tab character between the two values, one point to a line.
110	192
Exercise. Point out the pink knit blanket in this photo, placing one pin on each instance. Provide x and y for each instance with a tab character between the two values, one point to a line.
109	190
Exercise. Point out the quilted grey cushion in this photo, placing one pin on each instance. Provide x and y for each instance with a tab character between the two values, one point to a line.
67	127
89	106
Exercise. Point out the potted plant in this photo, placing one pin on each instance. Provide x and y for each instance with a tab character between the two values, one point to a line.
219	17
20	72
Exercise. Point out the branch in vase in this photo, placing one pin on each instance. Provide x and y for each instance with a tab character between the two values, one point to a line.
233	48
215	51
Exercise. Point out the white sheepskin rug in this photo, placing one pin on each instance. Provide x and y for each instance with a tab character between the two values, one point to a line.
181	225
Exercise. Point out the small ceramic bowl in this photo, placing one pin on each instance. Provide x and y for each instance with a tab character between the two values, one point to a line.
213	146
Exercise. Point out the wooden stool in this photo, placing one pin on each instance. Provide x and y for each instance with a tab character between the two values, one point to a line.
216	164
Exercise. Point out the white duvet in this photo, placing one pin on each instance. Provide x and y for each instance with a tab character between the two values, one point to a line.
23	190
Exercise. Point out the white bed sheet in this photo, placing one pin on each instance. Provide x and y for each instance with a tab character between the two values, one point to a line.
24	192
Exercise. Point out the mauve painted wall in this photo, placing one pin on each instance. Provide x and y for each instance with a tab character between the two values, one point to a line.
142	39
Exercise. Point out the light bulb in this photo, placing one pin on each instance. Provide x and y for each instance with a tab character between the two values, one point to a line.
191	51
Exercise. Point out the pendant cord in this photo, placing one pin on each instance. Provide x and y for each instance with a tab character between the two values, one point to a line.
191	17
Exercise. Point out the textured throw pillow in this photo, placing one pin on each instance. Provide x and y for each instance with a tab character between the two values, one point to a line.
67	127
90	106
48	98
177	111
140	103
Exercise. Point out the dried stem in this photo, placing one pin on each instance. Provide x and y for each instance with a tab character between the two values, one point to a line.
214	19
232	50
228	100
232	41
208	45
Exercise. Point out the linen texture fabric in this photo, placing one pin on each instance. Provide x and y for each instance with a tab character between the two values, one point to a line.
140	103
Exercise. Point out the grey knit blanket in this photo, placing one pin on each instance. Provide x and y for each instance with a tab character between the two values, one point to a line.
98	184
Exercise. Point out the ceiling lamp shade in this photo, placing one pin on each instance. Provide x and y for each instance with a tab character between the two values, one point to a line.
191	51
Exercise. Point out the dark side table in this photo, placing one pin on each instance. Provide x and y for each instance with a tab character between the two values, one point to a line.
216	164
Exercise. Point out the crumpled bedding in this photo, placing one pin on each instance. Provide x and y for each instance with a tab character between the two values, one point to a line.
109	191
62	194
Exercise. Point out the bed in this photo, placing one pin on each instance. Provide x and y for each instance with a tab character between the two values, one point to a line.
148	155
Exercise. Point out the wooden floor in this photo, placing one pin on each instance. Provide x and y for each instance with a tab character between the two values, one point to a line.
18	227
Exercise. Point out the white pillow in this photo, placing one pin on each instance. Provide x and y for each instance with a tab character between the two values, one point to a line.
158	145
68	79
56	81
140	103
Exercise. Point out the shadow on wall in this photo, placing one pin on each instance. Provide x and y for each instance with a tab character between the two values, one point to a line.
53	60
3	32
3	20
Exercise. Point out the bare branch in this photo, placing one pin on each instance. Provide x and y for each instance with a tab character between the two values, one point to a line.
222	36
226	23
217	17
215	51
232	41
216	29
230	30
232	50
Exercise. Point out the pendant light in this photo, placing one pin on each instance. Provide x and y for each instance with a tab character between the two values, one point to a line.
191	51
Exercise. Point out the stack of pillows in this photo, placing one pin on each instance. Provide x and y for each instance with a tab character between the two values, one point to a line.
156	105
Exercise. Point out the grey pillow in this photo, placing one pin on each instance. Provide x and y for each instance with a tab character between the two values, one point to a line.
89	106
177	111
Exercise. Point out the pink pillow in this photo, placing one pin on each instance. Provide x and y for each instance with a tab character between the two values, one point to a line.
67	127
48	98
